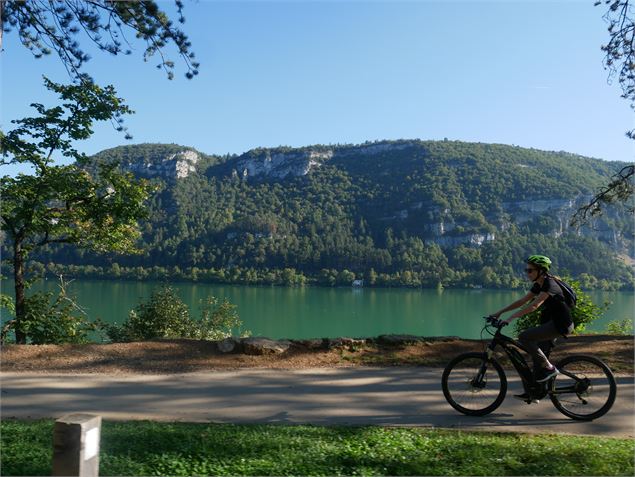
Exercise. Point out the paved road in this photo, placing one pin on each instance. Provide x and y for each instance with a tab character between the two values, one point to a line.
354	396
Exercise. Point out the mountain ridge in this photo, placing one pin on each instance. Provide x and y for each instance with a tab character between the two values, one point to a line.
445	212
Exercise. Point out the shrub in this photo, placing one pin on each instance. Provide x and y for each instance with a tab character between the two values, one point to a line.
623	327
218	320
52	319
165	315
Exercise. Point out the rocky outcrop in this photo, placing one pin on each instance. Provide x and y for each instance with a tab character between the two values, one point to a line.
474	240
280	165
171	167
522	211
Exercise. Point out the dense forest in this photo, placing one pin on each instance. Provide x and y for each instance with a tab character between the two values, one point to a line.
394	213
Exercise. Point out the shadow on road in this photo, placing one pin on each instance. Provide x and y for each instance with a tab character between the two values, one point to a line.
326	396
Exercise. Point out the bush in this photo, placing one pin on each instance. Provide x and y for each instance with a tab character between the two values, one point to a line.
218	321
623	327
584	313
52	319
165	315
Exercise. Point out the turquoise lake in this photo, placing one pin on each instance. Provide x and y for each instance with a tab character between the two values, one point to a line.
312	312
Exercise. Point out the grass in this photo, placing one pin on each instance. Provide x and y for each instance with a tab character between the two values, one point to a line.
151	448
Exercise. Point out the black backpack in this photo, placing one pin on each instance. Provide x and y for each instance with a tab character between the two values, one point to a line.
570	297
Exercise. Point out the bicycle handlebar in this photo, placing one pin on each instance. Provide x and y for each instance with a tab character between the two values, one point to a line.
495	322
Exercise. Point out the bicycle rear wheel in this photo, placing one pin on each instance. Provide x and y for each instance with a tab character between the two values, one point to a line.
474	385
585	389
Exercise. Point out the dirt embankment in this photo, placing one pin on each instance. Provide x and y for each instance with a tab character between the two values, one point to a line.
182	356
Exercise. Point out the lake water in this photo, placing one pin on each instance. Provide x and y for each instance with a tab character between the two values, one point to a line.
312	312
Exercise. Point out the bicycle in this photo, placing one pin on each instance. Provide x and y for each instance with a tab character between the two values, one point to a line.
475	384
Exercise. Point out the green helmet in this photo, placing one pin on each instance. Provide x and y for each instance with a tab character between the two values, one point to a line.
540	260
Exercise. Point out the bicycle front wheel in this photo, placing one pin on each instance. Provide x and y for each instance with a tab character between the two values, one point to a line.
585	389
473	384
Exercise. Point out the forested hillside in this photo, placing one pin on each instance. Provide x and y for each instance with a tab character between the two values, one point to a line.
399	213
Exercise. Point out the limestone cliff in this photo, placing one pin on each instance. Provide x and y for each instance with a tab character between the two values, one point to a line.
279	165
171	167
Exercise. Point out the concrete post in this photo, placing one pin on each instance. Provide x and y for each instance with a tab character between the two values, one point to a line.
76	445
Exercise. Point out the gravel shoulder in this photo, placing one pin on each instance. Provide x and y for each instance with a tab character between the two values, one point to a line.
187	356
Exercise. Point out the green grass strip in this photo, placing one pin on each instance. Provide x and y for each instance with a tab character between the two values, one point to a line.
152	448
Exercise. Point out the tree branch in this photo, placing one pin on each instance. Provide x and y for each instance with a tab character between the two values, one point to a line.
620	188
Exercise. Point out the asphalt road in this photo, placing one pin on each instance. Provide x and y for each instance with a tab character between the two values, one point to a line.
323	396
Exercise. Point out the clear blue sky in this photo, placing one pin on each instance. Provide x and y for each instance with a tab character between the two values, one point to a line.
298	73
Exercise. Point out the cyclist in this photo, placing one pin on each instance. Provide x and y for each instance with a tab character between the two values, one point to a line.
555	319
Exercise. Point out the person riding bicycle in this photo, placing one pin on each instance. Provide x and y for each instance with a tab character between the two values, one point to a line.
555	319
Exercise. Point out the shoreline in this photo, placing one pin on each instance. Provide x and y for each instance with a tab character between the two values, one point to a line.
188	356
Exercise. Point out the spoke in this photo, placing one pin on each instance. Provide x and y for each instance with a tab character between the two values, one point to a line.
474	386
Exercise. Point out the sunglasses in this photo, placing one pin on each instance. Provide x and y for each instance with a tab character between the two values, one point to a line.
531	270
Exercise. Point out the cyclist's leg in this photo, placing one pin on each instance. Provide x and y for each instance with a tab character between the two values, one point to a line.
547	346
533	337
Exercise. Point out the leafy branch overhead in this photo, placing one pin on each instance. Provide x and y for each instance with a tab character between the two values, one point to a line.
46	26
620	56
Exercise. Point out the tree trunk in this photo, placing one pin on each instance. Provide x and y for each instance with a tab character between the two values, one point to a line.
20	286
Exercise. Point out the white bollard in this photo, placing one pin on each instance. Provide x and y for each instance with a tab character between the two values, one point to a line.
76	445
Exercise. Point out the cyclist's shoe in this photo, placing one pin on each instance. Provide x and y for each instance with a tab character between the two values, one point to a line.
545	374
526	397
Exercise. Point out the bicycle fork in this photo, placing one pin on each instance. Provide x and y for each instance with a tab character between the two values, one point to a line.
479	380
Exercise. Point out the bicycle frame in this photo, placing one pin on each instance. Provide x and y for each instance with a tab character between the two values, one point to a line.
511	348
536	390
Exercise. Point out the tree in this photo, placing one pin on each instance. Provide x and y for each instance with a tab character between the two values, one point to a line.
46	26
620	53
620	62
94	207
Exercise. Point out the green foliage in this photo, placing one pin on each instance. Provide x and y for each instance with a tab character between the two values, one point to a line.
622	327
218	321
584	313
165	315
6	303
53	319
152	448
